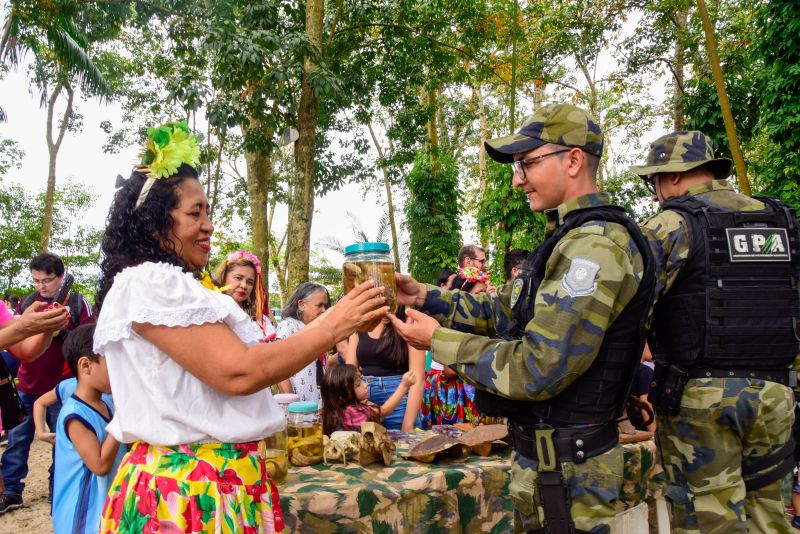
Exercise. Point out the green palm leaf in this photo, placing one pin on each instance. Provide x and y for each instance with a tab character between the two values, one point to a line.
72	56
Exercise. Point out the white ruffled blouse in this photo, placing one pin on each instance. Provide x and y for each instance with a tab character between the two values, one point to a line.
156	400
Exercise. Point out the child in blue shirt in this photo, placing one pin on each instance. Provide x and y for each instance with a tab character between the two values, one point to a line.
87	456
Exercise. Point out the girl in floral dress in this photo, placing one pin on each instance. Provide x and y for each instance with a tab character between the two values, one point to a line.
190	379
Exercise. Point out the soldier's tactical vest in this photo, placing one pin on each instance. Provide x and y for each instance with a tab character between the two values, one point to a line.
599	394
735	303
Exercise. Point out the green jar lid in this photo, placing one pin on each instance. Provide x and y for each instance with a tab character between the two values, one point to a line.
366	247
303	407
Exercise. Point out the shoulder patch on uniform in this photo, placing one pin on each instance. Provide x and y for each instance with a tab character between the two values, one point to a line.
579	280
516	290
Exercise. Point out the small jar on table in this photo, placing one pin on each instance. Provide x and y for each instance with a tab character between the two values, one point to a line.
304	430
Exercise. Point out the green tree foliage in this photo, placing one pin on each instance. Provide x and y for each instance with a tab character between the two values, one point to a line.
20	232
777	166
432	216
506	219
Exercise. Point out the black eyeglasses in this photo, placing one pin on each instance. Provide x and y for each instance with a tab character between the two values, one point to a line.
650	183
519	165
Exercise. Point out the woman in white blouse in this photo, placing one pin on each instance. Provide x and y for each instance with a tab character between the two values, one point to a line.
190	382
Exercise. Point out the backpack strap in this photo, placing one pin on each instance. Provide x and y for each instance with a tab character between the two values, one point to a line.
75	307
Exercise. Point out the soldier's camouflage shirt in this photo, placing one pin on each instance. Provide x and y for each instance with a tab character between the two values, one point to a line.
565	334
670	237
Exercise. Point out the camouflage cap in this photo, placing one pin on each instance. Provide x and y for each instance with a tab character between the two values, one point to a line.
682	151
560	124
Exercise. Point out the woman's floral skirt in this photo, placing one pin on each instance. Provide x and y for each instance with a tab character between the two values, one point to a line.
210	487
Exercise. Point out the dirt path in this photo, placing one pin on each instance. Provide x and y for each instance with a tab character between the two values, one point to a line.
34	517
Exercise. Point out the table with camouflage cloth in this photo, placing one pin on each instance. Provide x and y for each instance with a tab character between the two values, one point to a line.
408	496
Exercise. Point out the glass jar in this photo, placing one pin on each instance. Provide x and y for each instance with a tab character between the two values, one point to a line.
276	456
284	400
370	261
304	429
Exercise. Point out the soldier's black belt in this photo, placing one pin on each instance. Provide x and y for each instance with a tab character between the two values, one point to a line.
550	446
781	376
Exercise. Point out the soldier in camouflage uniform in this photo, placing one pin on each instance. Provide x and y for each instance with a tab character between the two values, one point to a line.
723	337
560	344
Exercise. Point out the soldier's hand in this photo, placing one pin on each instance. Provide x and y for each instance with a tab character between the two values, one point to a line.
409	291
417	330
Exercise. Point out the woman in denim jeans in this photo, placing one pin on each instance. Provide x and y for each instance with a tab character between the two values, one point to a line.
384	357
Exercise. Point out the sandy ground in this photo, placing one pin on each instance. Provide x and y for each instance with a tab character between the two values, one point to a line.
34	517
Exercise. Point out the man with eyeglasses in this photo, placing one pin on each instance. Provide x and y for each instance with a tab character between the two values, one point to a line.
36	376
472	256
556	350
724	338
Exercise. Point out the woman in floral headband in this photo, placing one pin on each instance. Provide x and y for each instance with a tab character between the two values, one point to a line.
190	380
239	277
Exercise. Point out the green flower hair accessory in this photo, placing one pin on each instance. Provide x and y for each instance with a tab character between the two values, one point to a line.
167	147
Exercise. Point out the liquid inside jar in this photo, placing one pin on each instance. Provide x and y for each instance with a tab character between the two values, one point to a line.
277	463
382	273
306	438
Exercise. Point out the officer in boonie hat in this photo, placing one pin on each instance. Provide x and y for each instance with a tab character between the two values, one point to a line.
559	124
724	338
682	151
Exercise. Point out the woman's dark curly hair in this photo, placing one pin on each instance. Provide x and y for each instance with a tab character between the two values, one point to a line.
134	236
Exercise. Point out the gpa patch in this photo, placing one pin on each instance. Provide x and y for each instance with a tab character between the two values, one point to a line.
579	281
758	244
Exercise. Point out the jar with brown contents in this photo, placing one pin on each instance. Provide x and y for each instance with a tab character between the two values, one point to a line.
370	261
304	430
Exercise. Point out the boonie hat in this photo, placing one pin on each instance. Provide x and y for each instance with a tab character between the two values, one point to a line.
560	124
682	151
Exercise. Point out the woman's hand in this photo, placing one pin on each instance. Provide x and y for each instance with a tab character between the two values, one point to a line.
360	310
40	317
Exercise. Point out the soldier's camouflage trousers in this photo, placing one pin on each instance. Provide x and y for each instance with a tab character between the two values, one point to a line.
594	487
722	422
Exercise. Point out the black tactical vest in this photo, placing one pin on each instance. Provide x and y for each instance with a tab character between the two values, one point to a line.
735	303
599	394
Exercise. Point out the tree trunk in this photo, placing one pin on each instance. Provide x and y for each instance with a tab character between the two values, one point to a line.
428	100
594	104
52	149
483	167
512	107
722	93
678	70
213	182
301	203
259	176
388	185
